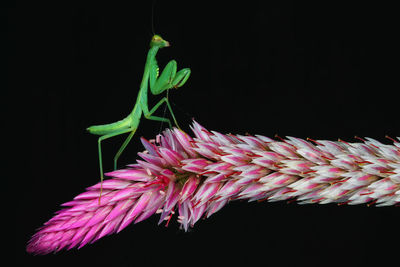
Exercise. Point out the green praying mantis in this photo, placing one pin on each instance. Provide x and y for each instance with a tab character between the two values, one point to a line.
168	79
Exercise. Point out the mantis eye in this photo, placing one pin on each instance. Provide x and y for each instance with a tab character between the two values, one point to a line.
156	38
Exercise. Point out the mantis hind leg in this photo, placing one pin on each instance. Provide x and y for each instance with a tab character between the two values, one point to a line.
101	138
122	148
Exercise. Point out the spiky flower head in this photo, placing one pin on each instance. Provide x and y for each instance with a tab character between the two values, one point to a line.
196	177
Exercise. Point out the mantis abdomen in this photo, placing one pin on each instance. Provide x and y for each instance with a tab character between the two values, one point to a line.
111	127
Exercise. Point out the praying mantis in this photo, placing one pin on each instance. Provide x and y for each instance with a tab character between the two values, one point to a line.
168	79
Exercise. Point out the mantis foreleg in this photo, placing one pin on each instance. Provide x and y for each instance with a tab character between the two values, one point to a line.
168	79
164	81
181	77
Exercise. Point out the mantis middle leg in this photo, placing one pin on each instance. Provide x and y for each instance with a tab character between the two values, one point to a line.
147	114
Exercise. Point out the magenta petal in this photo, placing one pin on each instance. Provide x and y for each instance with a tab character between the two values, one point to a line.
82	220
172	198
208	150
206	192
216	206
184	214
130	174
200	131
99	216
120	208
216	178
110	184
153	159
234	160
149	147
169	174
155	203
135	210
129	192
189	187
222	139
194	165
89	236
254	172
170	156
251	190
185	140
78	237
229	189
89	195
109	228
197	212
149	167
66	239
220	167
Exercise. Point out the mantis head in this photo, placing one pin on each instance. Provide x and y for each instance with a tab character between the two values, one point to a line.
158	41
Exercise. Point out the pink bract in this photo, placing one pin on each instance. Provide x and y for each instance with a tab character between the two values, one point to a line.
196	177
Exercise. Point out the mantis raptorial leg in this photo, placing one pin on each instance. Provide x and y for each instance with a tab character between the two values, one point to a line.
168	79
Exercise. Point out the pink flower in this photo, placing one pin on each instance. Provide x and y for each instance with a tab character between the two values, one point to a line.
196	177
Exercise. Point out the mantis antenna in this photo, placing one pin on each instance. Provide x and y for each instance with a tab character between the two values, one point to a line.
153	4
152	16
168	79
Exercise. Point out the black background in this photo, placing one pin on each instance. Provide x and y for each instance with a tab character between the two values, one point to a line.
324	71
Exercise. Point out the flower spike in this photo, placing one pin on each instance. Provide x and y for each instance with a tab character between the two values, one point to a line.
196	176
